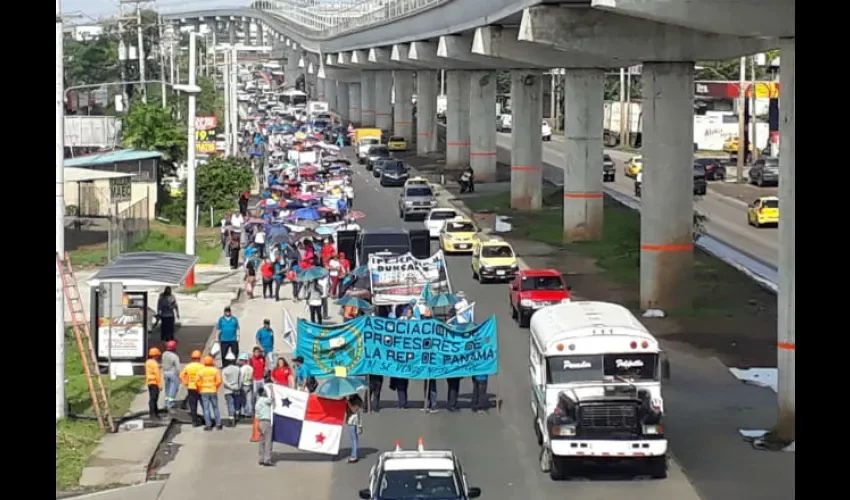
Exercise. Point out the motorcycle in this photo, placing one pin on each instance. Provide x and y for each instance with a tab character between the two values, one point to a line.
466	183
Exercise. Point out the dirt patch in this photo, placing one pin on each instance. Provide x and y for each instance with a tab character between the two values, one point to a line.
732	317
744	192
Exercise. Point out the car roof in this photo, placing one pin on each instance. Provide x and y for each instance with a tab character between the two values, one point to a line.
461	219
385	230
495	243
539	273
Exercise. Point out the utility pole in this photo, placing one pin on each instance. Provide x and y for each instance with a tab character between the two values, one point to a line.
140	52
742	121
234	119
190	160
226	81
162	63
60	212
622	102
753	141
123	55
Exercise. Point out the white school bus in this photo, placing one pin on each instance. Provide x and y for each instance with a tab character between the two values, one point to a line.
596	388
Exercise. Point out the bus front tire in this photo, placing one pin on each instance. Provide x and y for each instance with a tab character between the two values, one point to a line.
657	467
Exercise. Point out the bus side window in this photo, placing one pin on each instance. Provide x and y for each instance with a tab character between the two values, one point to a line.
535	359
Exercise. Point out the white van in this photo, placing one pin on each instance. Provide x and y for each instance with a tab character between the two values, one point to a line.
596	388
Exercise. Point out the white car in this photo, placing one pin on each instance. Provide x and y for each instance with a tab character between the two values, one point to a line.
546	132
436	219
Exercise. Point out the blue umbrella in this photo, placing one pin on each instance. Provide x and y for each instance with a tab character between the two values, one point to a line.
442	300
307	214
325	230
340	387
312	274
354	302
360	271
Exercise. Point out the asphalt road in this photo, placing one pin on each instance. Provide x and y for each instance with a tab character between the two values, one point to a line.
499	450
726	217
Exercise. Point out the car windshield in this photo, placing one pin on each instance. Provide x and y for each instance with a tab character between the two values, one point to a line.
542	283
419	192
394	167
699	171
771	162
443	215
497	252
460	227
396	139
606	158
419	485
591	368
770	204
369	140
381	151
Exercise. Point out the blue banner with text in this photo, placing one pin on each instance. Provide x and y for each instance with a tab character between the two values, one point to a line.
412	349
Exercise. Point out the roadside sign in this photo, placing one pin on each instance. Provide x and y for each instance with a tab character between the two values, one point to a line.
205	147
120	189
206	122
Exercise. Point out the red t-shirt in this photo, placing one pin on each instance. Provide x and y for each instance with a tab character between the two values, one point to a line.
345	265
258	363
267	269
281	375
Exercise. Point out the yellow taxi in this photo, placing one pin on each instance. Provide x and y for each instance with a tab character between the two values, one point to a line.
494	260
730	145
634	165
458	235
397	143
764	211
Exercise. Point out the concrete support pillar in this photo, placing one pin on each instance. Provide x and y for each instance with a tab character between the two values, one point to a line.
261	35
383	100
231	32
426	112
343	103
355	111
482	132
457	119
667	188
527	153
331	95
583	103
786	320
291	72
367	99
403	108
319	88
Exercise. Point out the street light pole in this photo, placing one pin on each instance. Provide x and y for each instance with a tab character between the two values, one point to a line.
742	122
60	214
190	161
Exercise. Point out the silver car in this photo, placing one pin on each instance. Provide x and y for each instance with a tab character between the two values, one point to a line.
416	200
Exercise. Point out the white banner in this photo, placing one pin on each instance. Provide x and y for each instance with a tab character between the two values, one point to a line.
292	155
398	280
307	157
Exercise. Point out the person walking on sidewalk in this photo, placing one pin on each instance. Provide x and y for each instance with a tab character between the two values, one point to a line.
209	381
171	373
189	378
265	339
231	387
228	337
153	379
246	377
167	310
263	414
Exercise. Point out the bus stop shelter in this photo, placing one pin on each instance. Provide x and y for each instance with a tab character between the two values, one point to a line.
120	315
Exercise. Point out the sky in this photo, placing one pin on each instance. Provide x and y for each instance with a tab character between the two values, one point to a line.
98	8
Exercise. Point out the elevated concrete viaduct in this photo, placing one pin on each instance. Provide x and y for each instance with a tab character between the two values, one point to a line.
472	42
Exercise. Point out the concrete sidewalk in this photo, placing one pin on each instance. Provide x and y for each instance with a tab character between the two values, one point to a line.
124	457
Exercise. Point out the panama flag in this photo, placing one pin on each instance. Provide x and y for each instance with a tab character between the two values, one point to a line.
307	422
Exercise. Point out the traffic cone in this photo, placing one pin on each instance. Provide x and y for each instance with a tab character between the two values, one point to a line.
255	433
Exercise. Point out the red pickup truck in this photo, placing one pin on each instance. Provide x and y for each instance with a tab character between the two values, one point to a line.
533	289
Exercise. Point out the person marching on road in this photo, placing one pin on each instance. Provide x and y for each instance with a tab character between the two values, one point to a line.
258	364
171	373
153	379
189	377
265	339
209	381
228	337
263	413
232	388
480	400
246	377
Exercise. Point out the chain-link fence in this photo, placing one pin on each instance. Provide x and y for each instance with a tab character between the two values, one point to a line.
129	228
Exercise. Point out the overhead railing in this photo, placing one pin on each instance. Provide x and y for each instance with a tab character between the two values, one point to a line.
332	18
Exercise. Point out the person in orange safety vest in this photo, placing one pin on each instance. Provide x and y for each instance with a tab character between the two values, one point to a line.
208	382
188	378
153	379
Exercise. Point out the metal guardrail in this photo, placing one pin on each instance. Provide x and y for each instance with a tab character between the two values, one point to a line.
330	19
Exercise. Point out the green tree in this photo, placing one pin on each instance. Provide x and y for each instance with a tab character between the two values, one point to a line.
730	69
220	182
91	62
150	127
